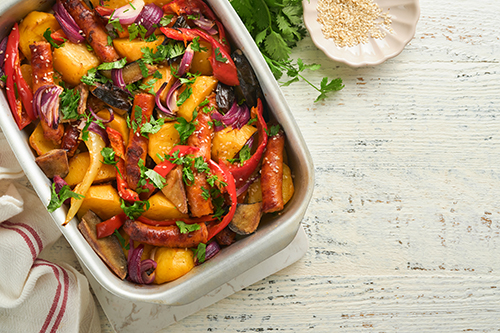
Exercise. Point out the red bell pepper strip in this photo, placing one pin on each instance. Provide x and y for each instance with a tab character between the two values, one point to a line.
223	66
221	171
108	227
166	166
59	36
22	116
243	172
145	220
222	37
116	142
189	7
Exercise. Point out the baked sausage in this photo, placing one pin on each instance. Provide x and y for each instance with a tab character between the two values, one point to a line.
169	236
71	138
94	31
42	74
202	139
271	177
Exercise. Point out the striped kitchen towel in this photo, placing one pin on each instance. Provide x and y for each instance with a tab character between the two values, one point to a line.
36	295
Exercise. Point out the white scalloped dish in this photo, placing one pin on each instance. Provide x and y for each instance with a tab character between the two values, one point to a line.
404	15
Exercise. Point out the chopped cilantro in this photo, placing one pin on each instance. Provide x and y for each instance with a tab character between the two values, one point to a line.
89	48
136	209
125	245
185	228
205	193
200	165
195	45
109	156
273	130
68	103
184	128
57	199
113	65
48	36
152	126
218	56
116	24
156	178
165	20
200	252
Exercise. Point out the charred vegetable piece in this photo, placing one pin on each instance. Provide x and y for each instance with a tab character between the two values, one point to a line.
131	72
246	218
54	163
226	236
249	89
84	95
174	189
71	138
108	248
224	96
112	96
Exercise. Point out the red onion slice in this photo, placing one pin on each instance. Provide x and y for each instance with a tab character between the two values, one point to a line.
206	24
149	17
104	121
117	77
172	96
94	127
186	61
67	23
128	13
236	117
138	271
210	251
242	189
159	104
46	104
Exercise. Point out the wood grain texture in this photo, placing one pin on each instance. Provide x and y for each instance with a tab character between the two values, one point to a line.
404	225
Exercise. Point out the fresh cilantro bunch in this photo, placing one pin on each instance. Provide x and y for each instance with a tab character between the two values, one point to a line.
277	26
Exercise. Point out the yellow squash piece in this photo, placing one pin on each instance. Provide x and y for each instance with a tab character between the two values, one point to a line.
131	49
102	200
166	76
255	190
172	263
73	61
201	60
39	143
163	141
31	30
162	209
119	123
228	142
94	144
27	74
202	87
78	166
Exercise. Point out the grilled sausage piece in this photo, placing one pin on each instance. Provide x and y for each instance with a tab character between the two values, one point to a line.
169	236
94	31
42	72
137	147
71	138
271	177
202	139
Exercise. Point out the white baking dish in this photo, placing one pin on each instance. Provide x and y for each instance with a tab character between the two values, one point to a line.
274	233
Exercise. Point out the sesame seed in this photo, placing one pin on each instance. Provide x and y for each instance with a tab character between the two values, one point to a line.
352	22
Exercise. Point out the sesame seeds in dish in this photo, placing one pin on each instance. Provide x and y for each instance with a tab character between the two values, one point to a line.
361	32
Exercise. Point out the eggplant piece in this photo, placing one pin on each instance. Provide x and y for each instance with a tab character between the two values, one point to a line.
224	96
54	163
83	89
225	237
131	72
174	189
246	219
108	248
113	96
249	89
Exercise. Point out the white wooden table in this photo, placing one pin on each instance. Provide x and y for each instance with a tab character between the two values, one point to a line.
404	223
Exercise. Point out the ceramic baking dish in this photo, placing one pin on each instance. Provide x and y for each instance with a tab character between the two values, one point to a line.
274	233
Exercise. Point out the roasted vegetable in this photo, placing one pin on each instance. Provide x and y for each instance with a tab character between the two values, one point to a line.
249	89
73	61
54	162
108	248
247	218
174	189
112	96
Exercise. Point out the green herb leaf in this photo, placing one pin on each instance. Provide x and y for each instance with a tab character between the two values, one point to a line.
113	65
273	130
165	20
136	209
184	128
57	199
205	193
218	56
68	103
185	228
48	36
152	127
156	178
196	47
109	156
125	245
200	252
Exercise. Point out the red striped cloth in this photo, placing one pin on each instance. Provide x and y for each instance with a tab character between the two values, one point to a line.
37	295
